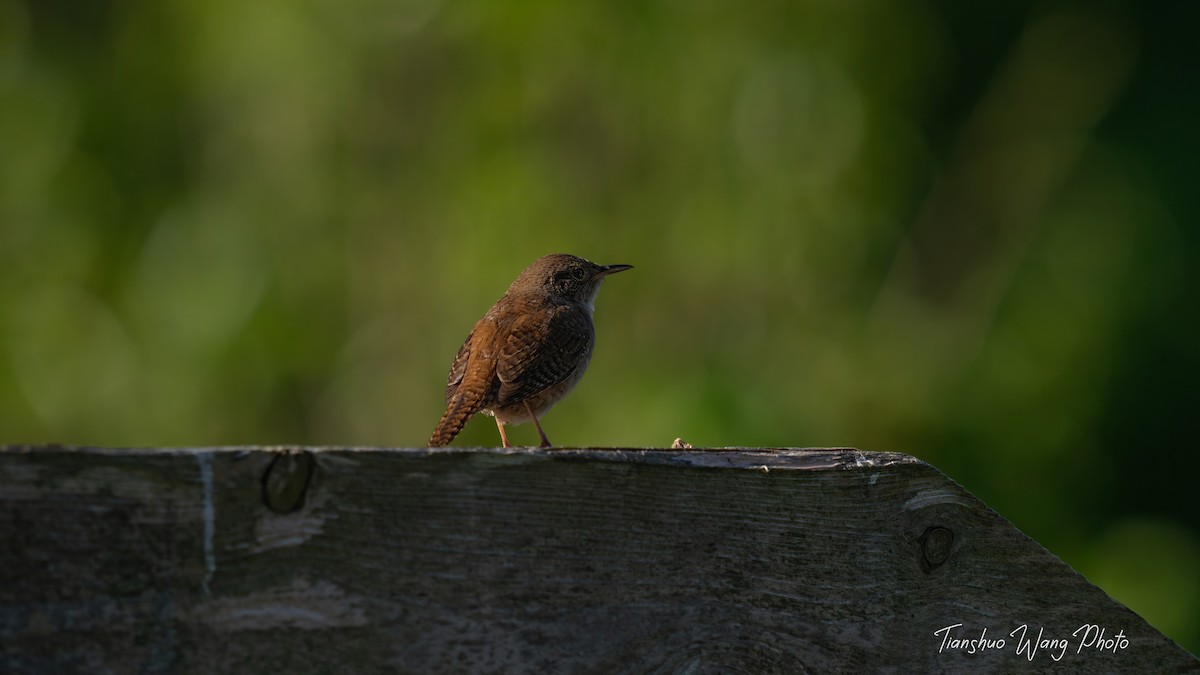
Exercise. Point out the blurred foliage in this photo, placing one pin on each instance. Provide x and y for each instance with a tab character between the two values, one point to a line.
960	230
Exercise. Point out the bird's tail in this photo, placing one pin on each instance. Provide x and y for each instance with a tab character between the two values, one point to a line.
459	409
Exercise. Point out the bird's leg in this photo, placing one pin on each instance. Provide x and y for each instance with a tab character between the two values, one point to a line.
503	438
545	441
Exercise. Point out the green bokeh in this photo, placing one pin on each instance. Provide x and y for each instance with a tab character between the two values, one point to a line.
964	231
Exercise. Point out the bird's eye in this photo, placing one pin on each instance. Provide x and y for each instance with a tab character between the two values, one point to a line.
579	273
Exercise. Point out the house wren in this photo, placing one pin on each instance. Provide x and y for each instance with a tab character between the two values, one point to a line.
529	350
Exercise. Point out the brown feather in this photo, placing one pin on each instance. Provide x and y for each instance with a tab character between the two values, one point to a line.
470	386
540	351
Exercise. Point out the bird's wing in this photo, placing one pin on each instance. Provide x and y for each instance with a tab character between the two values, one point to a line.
459	367
541	350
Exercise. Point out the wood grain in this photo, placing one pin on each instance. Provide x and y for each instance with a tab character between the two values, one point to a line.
480	560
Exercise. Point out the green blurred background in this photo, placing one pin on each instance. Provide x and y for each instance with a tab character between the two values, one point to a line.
965	231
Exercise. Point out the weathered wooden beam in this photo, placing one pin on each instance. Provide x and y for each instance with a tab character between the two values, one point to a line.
478	560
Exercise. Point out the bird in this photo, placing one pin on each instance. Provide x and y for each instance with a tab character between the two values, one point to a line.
529	350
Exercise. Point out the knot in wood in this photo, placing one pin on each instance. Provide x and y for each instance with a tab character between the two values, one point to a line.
936	542
286	481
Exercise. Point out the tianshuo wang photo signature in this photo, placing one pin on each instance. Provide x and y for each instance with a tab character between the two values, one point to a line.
1030	642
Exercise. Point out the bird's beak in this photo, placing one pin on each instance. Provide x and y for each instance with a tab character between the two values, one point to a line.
610	269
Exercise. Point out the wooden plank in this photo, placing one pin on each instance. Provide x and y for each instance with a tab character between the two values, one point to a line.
480	560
